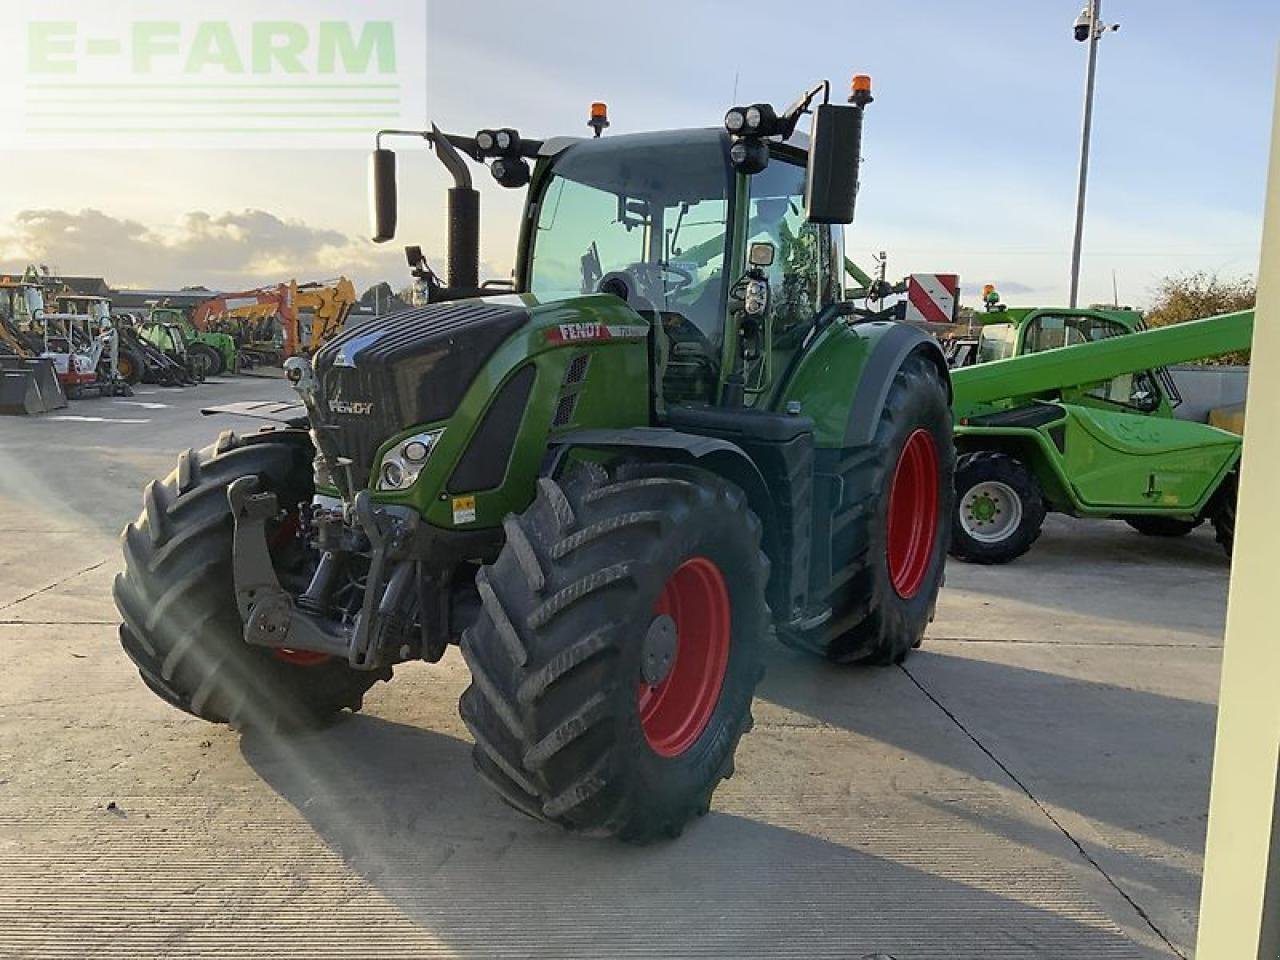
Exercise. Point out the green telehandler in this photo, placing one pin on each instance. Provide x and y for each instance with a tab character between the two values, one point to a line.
1072	411
609	480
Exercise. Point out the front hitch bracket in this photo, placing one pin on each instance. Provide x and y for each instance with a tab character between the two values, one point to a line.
269	613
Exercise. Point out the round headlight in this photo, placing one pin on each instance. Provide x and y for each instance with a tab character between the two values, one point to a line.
484	140
392	474
753	118
503	139
415	451
734	120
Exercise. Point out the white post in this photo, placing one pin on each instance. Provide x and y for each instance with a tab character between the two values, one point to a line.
1095	32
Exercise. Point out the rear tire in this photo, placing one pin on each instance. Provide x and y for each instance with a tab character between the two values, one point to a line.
177	595
1223	514
885	585
566	726
1162	526
999	508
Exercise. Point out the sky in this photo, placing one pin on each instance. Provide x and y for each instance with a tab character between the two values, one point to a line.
970	149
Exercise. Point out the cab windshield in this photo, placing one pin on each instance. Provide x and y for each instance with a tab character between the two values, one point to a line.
642	217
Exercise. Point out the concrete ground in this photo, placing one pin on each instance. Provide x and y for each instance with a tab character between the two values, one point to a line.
1032	783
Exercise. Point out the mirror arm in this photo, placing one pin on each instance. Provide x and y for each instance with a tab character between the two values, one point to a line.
792	114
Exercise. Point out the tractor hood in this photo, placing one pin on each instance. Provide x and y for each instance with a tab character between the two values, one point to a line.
407	368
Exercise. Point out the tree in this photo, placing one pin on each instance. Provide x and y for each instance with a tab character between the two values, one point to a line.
1191	296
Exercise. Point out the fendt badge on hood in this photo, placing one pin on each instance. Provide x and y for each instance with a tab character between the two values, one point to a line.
358	408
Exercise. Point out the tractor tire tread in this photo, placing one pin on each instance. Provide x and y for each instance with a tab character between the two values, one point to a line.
176	597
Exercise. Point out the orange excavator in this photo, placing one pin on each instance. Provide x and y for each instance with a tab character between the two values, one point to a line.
260	320
272	323
322	310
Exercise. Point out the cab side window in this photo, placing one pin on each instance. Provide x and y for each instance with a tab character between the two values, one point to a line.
797	277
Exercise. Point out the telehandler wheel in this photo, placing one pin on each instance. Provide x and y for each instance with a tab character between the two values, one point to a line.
618	648
999	508
889	548
176	594
130	364
1162	526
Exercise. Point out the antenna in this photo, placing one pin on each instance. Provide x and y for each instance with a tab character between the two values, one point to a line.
1115	295
734	98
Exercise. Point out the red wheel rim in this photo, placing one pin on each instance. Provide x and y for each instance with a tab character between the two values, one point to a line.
675	711
913	514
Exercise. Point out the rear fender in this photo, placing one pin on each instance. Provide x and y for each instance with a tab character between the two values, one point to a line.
843	379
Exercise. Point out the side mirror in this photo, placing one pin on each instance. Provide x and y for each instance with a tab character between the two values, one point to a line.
382	195
834	149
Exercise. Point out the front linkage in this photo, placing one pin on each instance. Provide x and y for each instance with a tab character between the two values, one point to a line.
272	617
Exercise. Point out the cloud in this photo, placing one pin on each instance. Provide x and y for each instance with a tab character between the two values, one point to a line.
225	251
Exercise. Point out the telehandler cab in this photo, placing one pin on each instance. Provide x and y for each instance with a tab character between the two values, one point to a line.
609	480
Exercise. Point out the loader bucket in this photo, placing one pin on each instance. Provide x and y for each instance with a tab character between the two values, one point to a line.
29	386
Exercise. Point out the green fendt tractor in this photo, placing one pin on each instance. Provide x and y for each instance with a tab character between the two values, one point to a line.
1072	411
610	480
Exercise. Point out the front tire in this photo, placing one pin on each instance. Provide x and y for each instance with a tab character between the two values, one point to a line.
999	508
618	649
177	596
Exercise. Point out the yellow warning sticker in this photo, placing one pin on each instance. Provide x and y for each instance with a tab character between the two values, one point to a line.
464	510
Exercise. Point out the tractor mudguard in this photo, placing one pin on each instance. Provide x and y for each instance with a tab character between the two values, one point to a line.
886	359
772	462
843	377
719	455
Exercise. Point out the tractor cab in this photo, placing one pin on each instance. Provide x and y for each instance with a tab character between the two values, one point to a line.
720	238
664	222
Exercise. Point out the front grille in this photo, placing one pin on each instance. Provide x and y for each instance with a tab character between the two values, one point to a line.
405	369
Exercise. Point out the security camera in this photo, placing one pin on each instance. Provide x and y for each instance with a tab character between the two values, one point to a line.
1082	25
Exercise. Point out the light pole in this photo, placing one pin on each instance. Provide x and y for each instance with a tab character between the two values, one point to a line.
1088	27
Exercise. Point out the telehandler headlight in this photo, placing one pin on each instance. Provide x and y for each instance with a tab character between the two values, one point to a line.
401	464
735	120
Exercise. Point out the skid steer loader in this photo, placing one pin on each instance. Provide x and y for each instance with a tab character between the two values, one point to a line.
610	481
28	382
